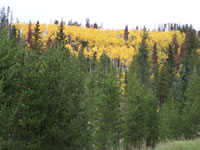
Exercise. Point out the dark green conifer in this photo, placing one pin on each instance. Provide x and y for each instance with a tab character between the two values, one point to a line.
140	115
171	65
37	39
60	35
191	111
103	100
169	120
163	86
142	62
188	62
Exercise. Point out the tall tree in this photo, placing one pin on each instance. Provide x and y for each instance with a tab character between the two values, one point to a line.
169	120
171	65
13	34
103	99
191	111
154	54
155	69
10	83
60	35
163	85
37	39
188	62
179	57
108	113
48	43
4	18
82	59
141	116
53	93
126	33
175	45
142	62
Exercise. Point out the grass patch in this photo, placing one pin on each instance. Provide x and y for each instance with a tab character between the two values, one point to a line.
180	145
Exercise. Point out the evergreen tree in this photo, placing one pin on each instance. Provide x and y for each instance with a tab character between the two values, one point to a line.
4	22
154	54
37	42
108	113
82	60
152	119
179	57
175	45
171	65
169	120
93	62
191	126
188	62
163	86
87	25
91	107
52	110
49	42
126	33
155	69
103	66
60	35
141	116
10	83
13	34
103	100
142	62
64	102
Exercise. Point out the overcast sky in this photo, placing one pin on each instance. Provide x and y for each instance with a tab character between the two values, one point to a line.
114	14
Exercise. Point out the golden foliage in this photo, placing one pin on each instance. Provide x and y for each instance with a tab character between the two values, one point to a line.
109	41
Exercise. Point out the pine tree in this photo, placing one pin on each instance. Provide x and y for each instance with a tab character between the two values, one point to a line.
126	33
4	22
103	103
83	60
179	57
155	69
142	62
154	54
13	35
171	65
37	42
191	126
108	113
152	119
141	116
64	112
190	47
169	120
188	63
103	66
163	85
175	45
91	106
9	101
60	35
54	115
49	42
87	25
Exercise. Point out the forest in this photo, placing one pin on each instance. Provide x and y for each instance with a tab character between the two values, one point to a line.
73	87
